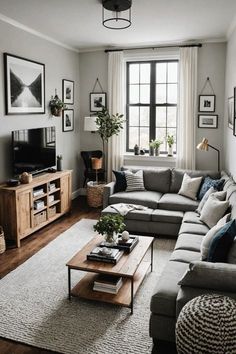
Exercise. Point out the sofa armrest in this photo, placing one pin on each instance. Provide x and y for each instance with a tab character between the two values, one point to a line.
208	275
108	191
206	278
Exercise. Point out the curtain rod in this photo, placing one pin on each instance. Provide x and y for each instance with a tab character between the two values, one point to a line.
199	45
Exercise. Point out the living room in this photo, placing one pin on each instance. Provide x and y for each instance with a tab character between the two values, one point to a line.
68	43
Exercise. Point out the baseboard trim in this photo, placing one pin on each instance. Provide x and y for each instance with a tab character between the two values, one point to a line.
75	194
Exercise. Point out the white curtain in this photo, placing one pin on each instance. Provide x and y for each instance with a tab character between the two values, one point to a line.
115	105
187	108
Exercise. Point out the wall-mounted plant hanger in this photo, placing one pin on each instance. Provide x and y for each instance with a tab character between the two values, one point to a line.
98	100
56	105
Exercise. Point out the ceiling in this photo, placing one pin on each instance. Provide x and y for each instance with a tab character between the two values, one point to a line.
77	23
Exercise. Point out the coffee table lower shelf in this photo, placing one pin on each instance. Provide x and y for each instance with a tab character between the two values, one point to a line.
84	289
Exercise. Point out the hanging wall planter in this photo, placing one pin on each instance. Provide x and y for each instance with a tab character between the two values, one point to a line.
56	105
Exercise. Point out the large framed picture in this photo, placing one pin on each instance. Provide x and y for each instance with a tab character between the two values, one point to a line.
207	103
68	120
208	121
68	91
24	85
231	112
97	101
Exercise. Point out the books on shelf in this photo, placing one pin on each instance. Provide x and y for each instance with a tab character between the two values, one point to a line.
111	256
37	192
126	246
107	283
38	204
52	186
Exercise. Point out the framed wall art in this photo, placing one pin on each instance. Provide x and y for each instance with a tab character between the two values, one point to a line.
24	85
231	111
68	120
68	91
206	103
97	101
234	127
208	121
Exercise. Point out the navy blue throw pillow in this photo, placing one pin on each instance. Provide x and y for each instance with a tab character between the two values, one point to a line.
120	184
221	243
208	183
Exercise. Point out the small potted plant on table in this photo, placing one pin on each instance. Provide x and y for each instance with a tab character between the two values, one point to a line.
109	226
155	147
170	142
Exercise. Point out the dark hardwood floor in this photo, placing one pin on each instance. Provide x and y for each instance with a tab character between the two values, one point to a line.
13	257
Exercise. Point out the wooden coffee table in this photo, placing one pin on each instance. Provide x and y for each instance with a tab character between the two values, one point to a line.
131	267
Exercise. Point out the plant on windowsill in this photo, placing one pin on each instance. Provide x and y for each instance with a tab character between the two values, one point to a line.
110	226
170	142
154	147
56	105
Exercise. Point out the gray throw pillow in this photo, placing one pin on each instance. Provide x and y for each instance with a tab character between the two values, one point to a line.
134	181
207	239
190	186
213	210
204	199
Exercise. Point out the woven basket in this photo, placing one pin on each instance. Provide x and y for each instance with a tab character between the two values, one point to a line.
95	194
2	241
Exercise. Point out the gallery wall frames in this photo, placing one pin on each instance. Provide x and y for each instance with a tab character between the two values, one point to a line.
208	121
231	112
24	85
68	120
206	103
98	100
68	91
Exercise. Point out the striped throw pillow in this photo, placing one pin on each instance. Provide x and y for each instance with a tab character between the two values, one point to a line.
134	181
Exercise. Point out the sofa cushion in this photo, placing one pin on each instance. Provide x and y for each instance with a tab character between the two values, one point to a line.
134	181
157	179
120	184
190	186
230	190
204	199
163	300
207	239
172	201
222	242
146	198
192	217
232	202
144	215
209	182
168	216
213	210
228	183
185	256
178	174
190	242
197	229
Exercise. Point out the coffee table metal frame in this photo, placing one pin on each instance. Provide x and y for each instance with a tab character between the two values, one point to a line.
84	287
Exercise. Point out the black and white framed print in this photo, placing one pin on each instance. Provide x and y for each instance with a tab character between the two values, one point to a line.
234	127
97	101
207	103
68	91
208	121
231	112
68	120
24	85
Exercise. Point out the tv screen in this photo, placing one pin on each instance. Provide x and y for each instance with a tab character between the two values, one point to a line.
34	150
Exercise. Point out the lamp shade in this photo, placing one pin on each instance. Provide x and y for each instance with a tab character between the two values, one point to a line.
90	124
203	145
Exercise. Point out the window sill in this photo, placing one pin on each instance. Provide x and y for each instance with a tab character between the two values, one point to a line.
161	158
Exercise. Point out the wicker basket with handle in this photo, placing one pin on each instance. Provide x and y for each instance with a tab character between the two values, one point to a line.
2	241
95	194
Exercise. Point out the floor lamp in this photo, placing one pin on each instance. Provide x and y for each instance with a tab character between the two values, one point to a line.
204	145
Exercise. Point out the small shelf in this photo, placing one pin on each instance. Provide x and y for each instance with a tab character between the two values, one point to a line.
54	191
39	210
54	203
40	196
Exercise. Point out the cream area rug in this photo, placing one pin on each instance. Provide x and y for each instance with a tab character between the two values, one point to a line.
35	310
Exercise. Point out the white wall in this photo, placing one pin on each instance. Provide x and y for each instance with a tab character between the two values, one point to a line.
60	64
211	63
230	83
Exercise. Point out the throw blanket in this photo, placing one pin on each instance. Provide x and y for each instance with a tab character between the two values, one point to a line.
124	209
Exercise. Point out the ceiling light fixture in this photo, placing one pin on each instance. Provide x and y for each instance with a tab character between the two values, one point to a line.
121	14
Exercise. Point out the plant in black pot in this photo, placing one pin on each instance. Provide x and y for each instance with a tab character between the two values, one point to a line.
109	226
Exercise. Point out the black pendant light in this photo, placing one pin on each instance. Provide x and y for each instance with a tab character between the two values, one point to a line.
116	14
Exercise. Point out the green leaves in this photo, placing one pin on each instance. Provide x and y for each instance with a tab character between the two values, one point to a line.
107	224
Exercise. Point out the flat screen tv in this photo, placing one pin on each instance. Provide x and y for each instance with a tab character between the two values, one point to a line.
34	150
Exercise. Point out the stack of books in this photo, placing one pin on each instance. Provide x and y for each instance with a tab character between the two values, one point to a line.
37	192
111	255
107	283
126	246
38	204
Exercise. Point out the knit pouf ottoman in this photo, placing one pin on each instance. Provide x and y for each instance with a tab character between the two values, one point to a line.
207	325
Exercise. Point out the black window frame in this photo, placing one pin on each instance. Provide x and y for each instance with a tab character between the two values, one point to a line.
152	104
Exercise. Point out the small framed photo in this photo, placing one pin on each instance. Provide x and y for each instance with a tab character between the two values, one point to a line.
24	85
68	120
231	110
208	121
68	91
97	101
207	103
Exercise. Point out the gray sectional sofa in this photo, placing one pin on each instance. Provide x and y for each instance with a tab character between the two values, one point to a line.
171	214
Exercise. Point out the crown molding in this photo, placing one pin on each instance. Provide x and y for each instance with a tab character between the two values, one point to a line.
19	25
